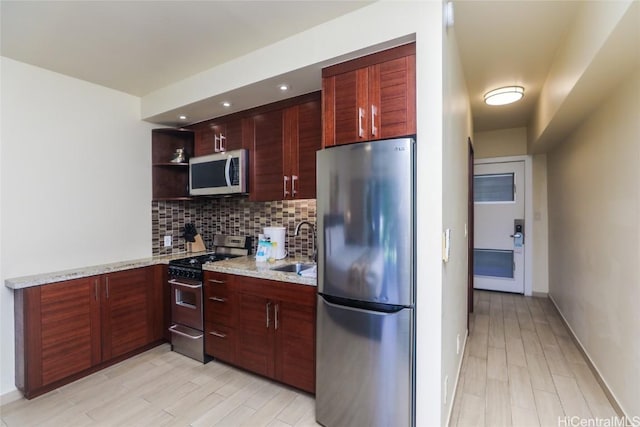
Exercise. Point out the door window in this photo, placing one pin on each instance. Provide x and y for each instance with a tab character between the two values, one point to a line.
494	188
493	263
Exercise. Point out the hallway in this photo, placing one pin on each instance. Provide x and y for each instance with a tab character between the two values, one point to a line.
521	368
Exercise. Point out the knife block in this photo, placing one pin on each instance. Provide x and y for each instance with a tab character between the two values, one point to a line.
197	246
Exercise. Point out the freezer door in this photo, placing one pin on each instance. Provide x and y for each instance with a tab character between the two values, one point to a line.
365	217
364	367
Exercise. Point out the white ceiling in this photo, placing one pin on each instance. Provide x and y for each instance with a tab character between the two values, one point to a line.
506	43
140	46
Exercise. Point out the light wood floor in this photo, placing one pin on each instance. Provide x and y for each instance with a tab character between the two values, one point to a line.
521	367
163	388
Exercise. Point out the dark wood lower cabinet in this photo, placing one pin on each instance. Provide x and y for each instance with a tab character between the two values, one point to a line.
219	316
68	329
276	332
127	312
295	344
59	331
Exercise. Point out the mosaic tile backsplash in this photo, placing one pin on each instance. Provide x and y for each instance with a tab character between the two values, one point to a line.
234	216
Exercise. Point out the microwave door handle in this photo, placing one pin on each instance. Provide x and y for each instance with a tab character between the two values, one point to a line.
227	170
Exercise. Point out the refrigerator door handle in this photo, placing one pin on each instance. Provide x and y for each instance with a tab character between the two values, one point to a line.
369	307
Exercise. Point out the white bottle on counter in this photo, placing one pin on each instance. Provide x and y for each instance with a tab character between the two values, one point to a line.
264	249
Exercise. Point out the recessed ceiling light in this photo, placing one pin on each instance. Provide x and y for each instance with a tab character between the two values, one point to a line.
182	117
504	95
283	87
226	104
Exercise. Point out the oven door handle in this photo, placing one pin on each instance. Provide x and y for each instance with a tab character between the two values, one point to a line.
186	285
175	331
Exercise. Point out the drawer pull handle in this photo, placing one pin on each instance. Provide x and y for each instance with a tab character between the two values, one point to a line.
221	282
218	299
218	334
275	309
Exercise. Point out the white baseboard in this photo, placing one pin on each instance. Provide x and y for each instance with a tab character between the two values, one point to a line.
455	388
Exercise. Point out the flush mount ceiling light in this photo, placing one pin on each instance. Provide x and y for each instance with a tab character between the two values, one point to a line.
504	95
182	117
283	87
226	104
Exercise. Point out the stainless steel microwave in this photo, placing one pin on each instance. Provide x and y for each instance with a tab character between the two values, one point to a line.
220	173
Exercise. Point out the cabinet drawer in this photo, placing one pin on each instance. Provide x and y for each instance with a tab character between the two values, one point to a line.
216	284
219	342
219	309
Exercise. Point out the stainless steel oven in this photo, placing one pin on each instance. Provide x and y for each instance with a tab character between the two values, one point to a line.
186	302
185	278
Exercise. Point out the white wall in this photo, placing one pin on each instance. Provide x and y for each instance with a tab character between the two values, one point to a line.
513	142
500	143
455	189
594	238
540	238
76	181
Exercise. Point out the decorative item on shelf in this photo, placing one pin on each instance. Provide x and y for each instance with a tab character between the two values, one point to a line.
179	156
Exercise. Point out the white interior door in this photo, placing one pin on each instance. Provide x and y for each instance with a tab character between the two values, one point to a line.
499	243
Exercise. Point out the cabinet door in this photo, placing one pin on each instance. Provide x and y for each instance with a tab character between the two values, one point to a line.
306	140
127	318
254	334
267	177
344	107
392	100
70	326
204	141
232	135
295	345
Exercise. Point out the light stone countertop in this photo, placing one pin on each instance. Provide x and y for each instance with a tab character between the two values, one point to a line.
242	266
247	266
77	273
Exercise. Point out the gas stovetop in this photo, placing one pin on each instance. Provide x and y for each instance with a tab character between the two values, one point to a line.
199	260
226	247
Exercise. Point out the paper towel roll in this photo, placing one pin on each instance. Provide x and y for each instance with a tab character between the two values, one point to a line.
277	235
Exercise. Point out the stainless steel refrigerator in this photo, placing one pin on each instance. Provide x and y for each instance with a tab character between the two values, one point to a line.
365	366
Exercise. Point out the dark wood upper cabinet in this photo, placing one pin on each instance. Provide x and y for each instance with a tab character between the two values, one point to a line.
369	98
285	141
170	181
218	135
267	157
303	139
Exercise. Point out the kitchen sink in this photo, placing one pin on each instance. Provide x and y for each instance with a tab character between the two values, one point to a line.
296	267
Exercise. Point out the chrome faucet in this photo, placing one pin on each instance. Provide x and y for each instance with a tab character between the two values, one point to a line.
313	237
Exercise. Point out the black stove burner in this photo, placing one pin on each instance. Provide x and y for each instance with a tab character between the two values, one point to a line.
191	268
